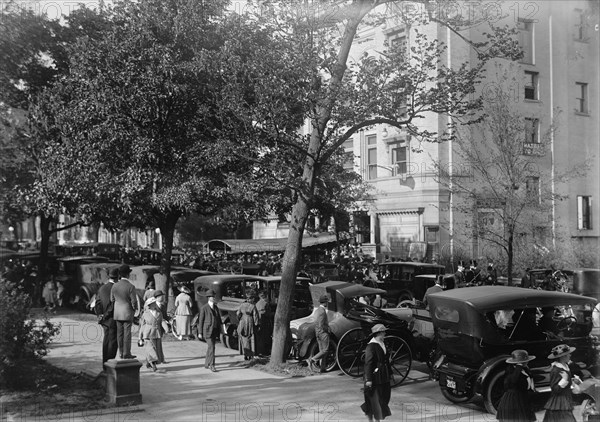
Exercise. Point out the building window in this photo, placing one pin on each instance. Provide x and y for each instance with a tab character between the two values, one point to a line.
582	106
580	25
372	157
349	154
532	130
584	212
531	85
399	159
526	39
532	187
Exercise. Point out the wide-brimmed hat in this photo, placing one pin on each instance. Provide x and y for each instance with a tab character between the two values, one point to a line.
324	299
184	289
209	293
560	350
520	356
150	301
124	270
378	328
114	272
158	293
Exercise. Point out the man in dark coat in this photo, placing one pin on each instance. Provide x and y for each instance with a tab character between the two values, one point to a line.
125	302
436	288
209	327
104	310
459	275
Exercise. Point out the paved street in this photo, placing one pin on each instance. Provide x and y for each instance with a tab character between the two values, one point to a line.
183	390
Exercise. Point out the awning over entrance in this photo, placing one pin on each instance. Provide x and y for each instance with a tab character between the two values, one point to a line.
269	245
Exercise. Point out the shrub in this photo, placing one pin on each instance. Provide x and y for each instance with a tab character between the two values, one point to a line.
20	335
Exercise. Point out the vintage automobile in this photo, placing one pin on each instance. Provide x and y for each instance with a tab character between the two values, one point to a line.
477	328
586	282
344	312
79	283
398	280
319	272
108	250
230	291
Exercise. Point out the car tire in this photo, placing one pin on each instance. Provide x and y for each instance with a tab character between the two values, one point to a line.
455	398
493	392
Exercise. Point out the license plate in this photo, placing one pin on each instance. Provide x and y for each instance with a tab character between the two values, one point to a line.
451	384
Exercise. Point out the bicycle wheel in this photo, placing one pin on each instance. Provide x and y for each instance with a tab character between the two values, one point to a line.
350	352
400	357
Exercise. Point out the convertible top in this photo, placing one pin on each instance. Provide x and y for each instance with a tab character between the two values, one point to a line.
491	298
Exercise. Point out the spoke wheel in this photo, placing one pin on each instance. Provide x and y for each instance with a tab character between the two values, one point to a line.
329	358
400	358
350	352
493	393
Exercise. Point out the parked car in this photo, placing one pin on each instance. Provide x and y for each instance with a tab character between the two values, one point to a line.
344	312
109	250
398	280
586	282
479	327
230	291
319	272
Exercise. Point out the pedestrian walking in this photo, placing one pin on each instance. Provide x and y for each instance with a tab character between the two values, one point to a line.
247	315
104	310
209	327
183	313
151	333
322	334
49	294
161	306
377	377
515	404
559	407
125	302
264	329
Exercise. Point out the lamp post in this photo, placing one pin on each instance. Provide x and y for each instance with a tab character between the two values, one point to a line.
157	231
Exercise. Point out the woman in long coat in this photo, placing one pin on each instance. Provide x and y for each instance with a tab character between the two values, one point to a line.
248	320
183	313
378	373
515	404
559	407
151	333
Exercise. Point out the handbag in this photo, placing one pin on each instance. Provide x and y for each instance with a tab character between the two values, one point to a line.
141	342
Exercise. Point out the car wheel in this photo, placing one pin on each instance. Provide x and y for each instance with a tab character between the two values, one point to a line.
454	396
232	340
329	358
174	327
82	304
493	392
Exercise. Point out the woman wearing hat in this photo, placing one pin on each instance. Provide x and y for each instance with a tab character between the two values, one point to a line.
514	405
183	313
150	333
247	315
377	376
559	407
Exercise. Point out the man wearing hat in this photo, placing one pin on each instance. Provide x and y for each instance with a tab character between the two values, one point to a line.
459	275
125	302
209	326
559	406
378	388
515	404
183	312
104	311
322	334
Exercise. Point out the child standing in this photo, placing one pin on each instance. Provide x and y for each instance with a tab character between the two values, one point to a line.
559	407
515	403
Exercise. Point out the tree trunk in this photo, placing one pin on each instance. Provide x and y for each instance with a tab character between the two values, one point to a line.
510	258
293	249
167	231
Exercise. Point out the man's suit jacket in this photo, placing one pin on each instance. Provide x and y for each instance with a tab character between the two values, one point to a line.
125	300
433	289
209	322
104	305
322	325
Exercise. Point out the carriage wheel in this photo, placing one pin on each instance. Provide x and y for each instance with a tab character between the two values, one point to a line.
329	358
350	352
400	358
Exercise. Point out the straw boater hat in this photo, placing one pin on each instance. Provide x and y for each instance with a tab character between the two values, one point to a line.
184	289
150	301
378	328
520	356
560	350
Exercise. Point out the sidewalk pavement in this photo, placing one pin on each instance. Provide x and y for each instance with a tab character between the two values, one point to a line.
183	390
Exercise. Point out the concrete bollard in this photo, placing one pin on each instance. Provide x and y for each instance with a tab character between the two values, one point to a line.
123	381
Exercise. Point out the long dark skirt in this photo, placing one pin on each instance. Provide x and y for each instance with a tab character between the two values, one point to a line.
514	407
151	346
559	416
377	401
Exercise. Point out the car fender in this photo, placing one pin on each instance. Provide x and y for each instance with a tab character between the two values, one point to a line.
487	369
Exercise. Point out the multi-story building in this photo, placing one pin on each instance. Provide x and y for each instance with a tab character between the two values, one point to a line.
556	83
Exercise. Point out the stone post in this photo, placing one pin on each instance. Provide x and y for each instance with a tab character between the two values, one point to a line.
123	381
